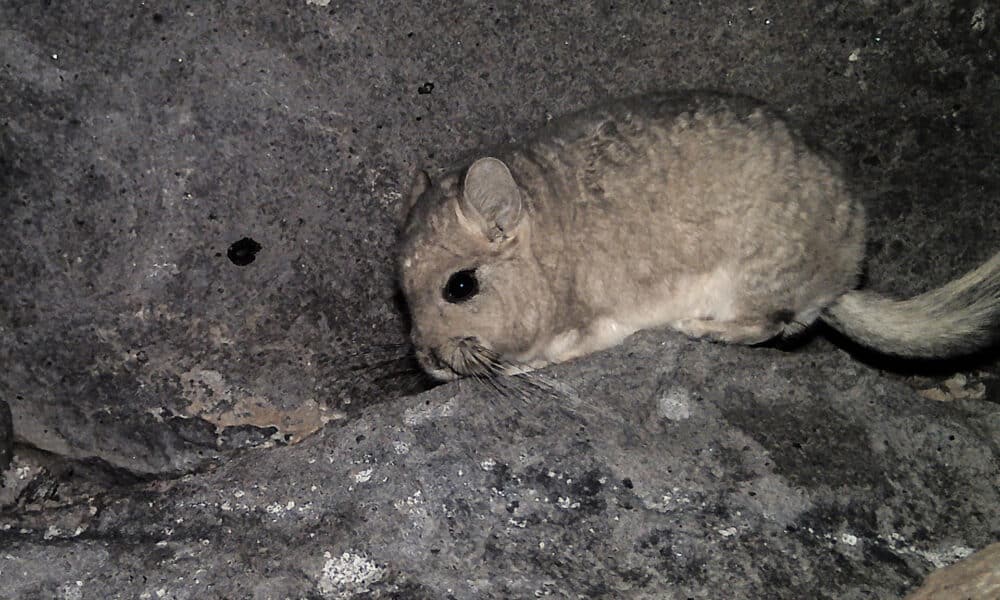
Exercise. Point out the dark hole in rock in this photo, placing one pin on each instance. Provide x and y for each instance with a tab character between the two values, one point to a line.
243	252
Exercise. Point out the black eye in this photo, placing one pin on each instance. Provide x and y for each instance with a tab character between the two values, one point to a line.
461	286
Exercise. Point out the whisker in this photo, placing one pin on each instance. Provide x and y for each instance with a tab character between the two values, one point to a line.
537	391
373	360
481	374
493	385
544	387
507	386
398	371
477	363
388	362
410	371
392	349
488	369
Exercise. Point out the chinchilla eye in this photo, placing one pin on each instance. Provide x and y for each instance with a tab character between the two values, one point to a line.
461	286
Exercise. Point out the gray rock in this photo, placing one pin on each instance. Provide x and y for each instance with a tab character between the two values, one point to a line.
153	370
789	475
974	578
6	437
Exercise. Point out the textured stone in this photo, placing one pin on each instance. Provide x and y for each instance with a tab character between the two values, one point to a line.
6	436
974	578
791	476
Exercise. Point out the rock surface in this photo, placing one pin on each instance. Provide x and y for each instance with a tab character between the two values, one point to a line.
711	472
201	340
6	436
975	577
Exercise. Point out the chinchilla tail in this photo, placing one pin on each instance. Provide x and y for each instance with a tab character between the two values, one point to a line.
958	318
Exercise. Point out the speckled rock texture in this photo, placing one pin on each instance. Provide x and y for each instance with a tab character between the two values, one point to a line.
6	436
975	577
201	339
705	475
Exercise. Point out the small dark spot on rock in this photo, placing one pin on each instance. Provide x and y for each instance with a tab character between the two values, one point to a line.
587	486
243	252
360	438
426	88
627	483
950	82
157	18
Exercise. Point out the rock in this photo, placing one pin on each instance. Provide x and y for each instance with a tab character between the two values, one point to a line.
788	475
6	437
974	578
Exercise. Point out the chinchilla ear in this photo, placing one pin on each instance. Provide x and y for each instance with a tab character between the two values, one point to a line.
420	182
491	200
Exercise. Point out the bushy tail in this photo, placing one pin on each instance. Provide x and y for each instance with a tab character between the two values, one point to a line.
957	318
